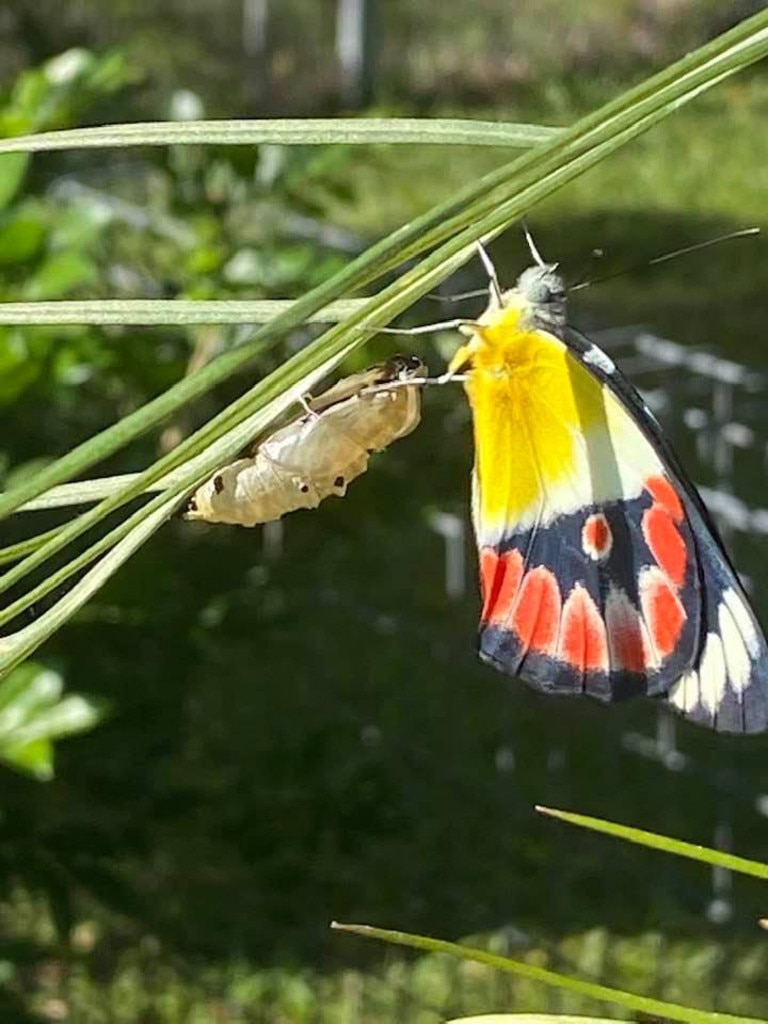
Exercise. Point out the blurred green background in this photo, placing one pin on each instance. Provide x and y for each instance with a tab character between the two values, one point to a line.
299	729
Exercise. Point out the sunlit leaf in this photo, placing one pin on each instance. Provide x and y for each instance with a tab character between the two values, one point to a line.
33	713
61	273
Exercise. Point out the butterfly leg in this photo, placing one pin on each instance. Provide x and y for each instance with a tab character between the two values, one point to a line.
461	360
441	325
305	401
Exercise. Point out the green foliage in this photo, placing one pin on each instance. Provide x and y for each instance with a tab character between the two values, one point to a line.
33	713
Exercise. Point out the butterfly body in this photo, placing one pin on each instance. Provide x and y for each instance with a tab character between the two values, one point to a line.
318	454
600	570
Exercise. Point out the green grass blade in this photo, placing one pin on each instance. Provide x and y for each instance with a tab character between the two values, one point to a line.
639	1004
165	312
657	842
16	648
14	552
416	131
484	206
84	492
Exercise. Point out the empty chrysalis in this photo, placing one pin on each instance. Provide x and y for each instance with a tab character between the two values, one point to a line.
319	453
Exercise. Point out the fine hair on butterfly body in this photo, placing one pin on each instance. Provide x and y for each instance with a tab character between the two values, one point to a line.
601	572
319	453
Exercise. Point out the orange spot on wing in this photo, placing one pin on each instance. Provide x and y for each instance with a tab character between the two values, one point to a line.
666	543
663	611
583	641
664	494
536	618
500	577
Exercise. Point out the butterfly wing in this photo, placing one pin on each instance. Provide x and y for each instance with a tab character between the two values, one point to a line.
600	571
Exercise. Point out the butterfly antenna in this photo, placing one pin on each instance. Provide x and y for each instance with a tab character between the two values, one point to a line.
490	270
664	257
537	257
594	256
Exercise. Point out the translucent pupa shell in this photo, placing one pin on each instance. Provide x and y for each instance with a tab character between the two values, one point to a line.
319	453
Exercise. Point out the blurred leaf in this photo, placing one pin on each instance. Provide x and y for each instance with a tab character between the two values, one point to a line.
65	68
60	274
53	95
33	713
80	224
27	101
35	758
13	167
22	232
17	369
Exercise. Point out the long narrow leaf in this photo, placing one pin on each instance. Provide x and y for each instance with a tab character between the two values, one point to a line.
168	312
14	552
639	1004
657	842
16	648
288	132
85	492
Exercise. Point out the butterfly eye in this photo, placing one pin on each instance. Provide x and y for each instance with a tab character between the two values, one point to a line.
541	294
545	292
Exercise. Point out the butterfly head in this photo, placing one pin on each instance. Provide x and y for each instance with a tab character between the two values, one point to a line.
542	290
536	302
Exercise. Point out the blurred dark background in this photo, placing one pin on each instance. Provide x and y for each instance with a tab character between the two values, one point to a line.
300	729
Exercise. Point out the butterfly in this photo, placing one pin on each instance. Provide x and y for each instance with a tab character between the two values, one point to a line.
319	453
601	572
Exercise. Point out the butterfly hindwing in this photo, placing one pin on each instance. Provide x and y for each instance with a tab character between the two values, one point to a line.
603	599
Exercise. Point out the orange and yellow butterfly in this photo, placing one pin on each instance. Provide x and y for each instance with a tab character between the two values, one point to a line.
601	571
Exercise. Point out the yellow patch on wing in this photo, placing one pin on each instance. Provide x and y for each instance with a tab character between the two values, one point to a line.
549	437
